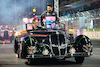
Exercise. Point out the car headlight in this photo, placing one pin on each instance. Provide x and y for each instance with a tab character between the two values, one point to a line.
31	49
17	33
57	32
72	50
45	52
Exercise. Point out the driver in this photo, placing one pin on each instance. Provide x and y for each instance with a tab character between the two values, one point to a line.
49	12
35	24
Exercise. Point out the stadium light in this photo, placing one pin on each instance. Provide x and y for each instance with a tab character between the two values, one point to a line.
69	6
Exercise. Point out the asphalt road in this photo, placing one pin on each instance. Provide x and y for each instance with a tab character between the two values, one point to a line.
8	58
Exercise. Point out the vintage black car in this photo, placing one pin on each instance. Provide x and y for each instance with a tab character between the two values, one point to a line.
51	43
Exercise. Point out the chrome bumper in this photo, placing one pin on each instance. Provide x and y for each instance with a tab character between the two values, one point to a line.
78	54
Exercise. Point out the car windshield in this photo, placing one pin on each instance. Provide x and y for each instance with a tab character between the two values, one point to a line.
50	22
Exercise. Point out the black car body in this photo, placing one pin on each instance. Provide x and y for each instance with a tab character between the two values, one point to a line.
51	43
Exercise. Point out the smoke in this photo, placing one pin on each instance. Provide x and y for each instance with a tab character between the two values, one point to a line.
10	10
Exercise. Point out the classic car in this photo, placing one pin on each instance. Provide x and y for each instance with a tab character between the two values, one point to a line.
51	43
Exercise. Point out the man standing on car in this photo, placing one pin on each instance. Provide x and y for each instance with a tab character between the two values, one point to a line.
49	12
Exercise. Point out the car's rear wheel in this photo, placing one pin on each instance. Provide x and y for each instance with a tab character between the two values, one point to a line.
15	46
18	53
79	60
24	50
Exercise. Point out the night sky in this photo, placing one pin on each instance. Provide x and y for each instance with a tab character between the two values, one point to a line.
10	10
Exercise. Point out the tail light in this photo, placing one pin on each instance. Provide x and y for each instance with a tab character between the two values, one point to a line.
18	45
10	34
2	34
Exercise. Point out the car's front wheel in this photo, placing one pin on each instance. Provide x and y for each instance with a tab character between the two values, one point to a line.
30	61
79	60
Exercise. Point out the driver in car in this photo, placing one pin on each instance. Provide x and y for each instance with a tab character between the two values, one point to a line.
49	12
35	24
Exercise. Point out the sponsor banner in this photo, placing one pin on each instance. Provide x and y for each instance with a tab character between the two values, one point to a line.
75	32
91	34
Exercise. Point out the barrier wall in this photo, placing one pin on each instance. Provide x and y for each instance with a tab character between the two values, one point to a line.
91	34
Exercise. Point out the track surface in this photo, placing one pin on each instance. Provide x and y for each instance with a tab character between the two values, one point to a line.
8	58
